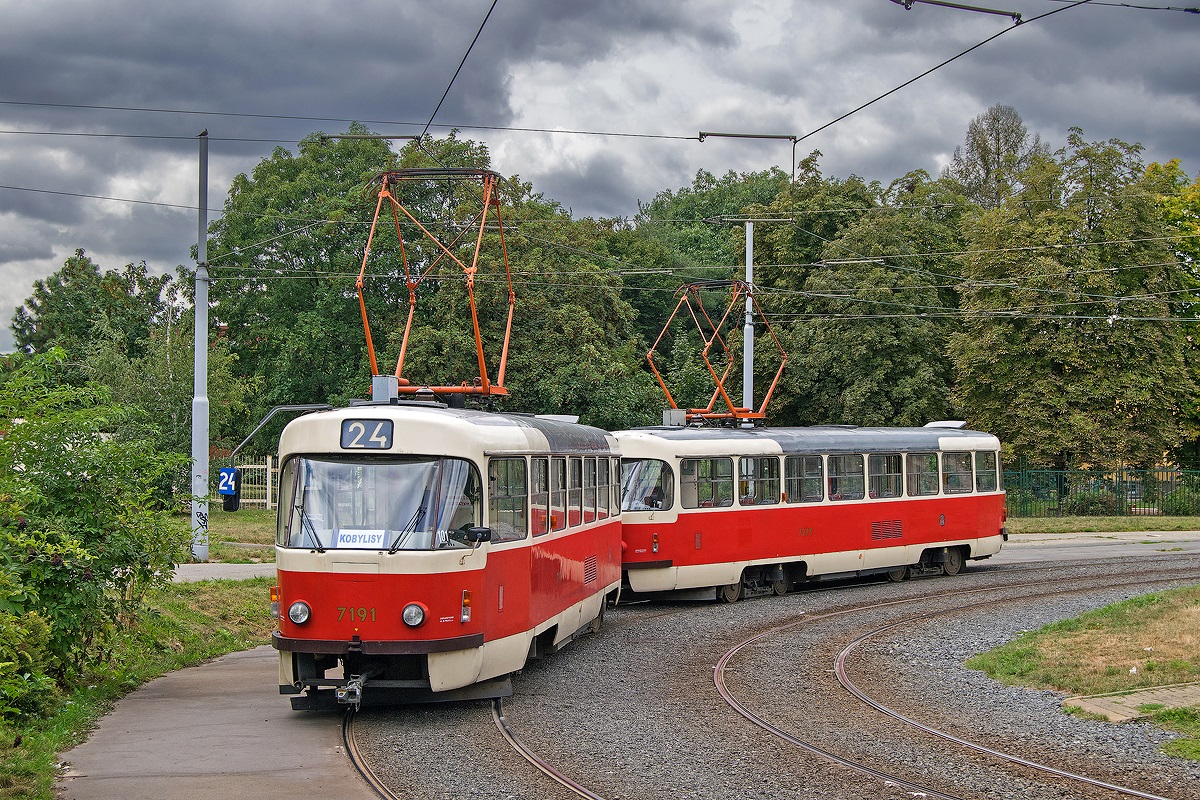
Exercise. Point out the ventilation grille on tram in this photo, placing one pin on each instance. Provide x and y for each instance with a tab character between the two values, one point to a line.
589	569
888	529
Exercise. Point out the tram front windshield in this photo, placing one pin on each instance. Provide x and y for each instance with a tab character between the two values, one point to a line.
393	504
646	484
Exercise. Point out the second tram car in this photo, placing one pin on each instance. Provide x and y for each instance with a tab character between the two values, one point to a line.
761	509
422	550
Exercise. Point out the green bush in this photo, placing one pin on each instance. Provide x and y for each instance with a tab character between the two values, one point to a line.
85	528
1184	501
25	687
1094	504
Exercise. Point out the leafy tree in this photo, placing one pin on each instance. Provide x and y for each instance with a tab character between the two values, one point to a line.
160	382
683	220
998	148
868	344
1180	203
283	256
66	307
1065	353
812	213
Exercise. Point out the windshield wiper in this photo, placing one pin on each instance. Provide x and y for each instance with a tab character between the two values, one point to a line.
307	527
412	524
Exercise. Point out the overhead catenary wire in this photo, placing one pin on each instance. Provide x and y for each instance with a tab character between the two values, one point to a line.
936	67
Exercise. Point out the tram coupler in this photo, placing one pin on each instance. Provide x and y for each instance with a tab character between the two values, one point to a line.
350	694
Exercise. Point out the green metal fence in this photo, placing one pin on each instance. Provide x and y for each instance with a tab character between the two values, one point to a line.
1162	491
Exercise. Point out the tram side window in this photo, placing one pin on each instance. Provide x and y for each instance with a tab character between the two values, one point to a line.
923	479
886	473
603	495
846	477
985	472
706	482
507	499
575	492
956	473
539	495
589	489
758	480
558	493
804	479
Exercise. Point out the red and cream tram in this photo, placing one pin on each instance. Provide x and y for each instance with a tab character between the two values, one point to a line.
760	509
423	549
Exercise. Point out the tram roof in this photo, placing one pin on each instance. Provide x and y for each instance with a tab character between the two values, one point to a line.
830	438
433	423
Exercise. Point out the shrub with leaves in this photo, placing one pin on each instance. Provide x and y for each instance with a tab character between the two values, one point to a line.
85	528
26	689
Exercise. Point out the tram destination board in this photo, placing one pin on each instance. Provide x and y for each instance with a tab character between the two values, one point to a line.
366	434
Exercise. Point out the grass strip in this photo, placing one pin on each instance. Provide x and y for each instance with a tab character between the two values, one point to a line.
1143	642
186	624
1100	524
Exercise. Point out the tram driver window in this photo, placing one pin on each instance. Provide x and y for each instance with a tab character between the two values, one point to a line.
507	499
957	477
647	484
846	477
706	482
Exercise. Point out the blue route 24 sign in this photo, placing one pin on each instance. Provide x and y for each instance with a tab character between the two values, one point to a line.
229	486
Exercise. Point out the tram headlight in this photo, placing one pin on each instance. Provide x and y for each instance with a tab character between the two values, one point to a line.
299	612
413	615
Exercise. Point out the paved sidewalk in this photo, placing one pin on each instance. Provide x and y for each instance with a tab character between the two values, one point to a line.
1123	706
213	732
189	573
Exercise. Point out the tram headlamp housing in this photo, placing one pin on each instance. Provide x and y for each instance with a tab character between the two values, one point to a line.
413	615
299	612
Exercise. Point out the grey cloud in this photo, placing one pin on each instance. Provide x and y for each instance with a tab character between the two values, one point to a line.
1114	72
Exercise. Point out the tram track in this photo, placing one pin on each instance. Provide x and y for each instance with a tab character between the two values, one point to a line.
839	670
360	763
610	728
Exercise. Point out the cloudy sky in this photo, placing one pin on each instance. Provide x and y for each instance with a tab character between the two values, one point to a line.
101	102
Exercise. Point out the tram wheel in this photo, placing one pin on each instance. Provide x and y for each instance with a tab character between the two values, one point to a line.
595	625
779	587
954	562
730	592
899	574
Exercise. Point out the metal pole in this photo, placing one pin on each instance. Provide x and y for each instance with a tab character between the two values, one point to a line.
200	390
748	331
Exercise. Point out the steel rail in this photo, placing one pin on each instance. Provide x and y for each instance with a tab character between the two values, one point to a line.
839	666
540	764
360	764
725	693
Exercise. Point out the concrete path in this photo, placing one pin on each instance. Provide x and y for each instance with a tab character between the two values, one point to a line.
1041	547
213	732
1124	706
188	573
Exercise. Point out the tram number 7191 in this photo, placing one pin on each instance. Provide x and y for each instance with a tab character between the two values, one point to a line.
360	613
